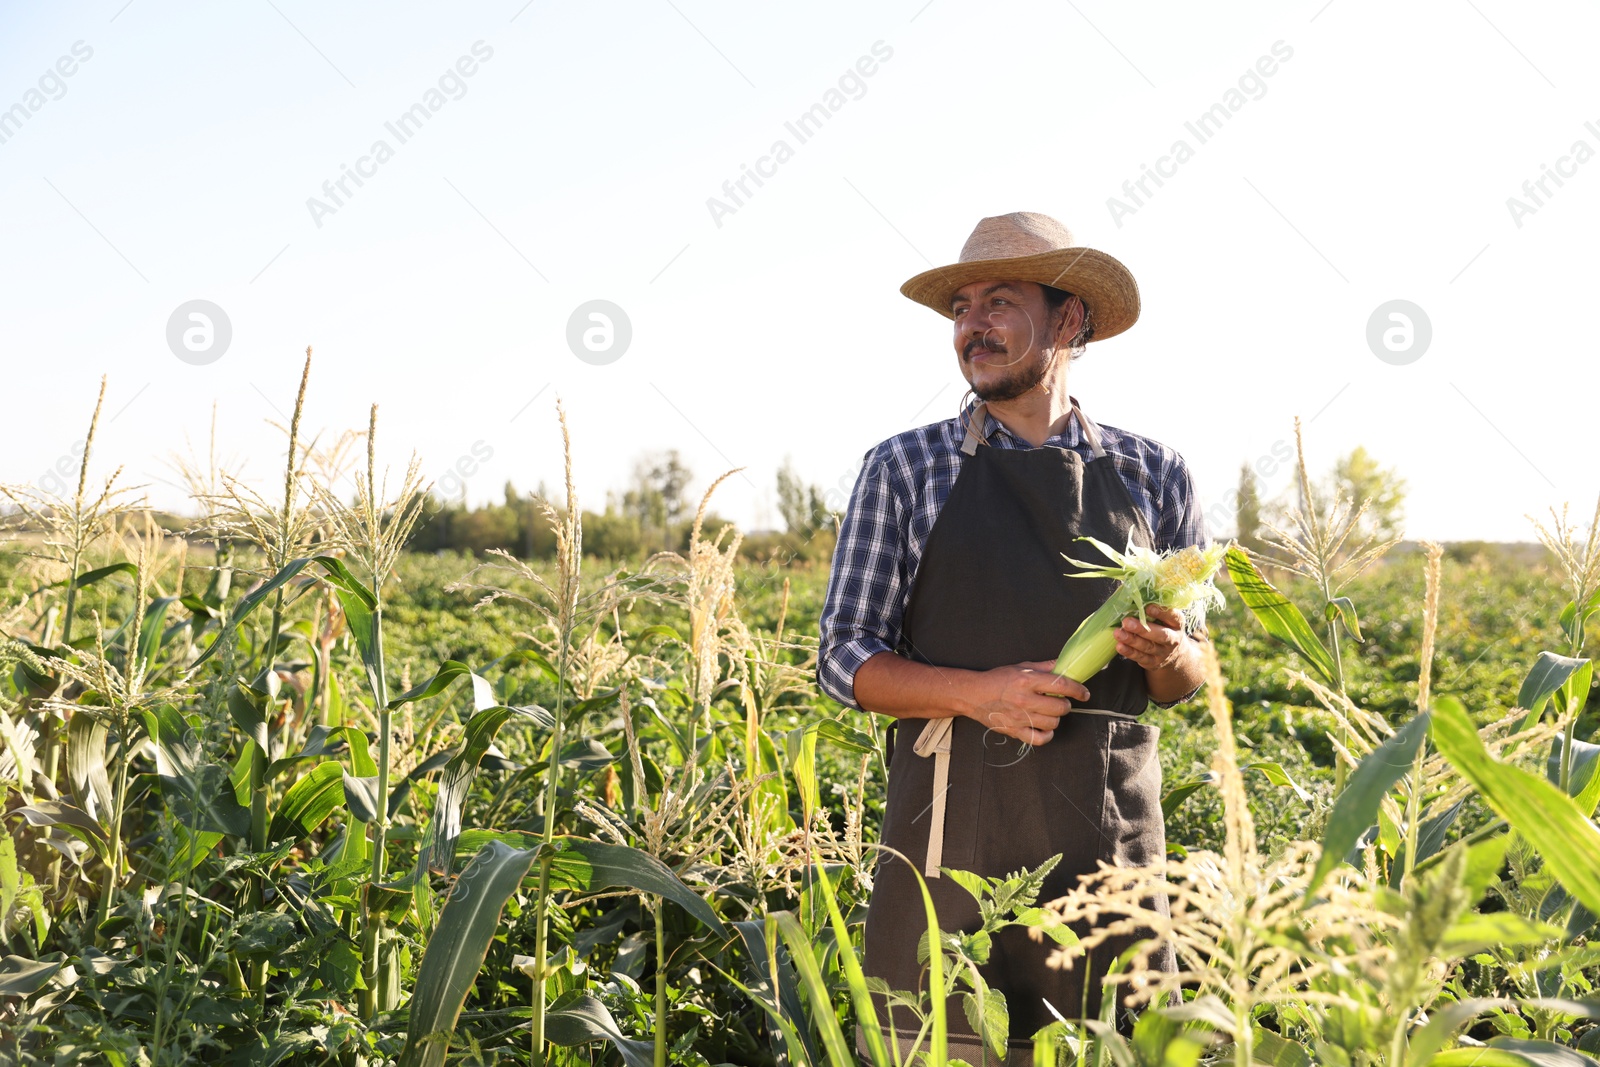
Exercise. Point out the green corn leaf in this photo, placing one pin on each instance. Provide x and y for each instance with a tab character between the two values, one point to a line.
1585	785
1431	836
586	755
151	634
1549	673
579	1018
445	826
70	818
1173	799
581	865
1356	808
1272	1050
798	1042
1435	829
57	813
22	977
334	698
579	708
1571	697
10	878
88	578
365	770
769	960
194	846
1343	609
1513	1052
845	737
247	707
320	741
308	802
356	599
1207	1009
360	616
855	978
1277	615
590	866
200	795
86	761
448	673
204	801
250	602
1475	932
361	796
533	656
817	991
456	951
1484	860
1568	842
1275	774
1444	1022
801	748
361	760
1572	625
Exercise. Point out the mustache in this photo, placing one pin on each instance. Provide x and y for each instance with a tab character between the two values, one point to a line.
983	342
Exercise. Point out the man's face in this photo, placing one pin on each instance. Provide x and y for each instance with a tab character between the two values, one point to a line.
1005	337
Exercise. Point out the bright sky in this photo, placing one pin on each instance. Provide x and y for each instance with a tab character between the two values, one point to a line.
574	163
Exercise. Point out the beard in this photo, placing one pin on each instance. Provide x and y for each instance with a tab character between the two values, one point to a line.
1018	380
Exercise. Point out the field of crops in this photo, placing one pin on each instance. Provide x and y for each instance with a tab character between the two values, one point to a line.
279	791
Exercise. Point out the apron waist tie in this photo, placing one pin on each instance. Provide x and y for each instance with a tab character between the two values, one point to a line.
934	740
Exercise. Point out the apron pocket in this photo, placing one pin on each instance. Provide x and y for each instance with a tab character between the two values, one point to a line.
1134	828
1037	802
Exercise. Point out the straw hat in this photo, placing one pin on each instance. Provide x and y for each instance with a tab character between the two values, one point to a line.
1030	247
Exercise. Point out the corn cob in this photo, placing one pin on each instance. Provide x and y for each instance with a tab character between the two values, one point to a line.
1180	580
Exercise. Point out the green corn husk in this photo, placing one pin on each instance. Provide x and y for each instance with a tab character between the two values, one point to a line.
1093	645
1180	580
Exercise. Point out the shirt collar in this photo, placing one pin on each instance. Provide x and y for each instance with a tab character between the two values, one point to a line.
1071	437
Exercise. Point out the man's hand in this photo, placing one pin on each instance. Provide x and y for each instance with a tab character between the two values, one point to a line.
1172	661
1025	701
1157	646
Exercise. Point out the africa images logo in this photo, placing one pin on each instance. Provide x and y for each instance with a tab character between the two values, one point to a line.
404	127
1252	85
52	82
805	126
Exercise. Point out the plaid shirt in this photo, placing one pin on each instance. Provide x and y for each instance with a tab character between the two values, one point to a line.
904	483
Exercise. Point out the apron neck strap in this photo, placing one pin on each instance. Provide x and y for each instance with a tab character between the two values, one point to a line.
974	422
979	415
1091	431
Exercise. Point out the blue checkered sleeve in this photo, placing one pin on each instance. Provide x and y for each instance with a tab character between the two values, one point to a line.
866	592
1180	521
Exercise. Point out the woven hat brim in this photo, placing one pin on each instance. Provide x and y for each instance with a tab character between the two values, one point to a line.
1101	280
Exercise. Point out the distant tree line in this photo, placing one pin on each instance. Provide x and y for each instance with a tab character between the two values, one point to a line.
654	513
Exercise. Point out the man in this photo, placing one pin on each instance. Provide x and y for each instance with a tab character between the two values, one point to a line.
949	601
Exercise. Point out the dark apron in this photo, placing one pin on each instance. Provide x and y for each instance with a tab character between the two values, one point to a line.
992	590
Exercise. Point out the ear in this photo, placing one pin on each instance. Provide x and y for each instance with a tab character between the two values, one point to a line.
1071	320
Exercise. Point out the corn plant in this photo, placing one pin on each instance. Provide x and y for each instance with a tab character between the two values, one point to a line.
307	806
